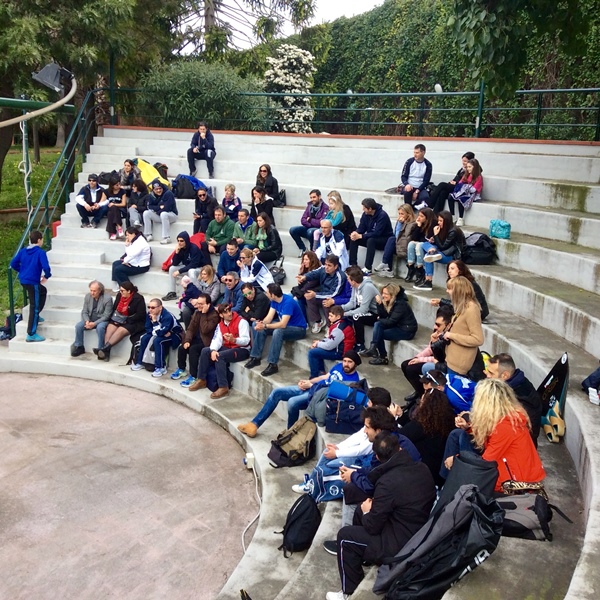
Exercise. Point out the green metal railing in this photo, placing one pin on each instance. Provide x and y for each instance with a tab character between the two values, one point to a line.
55	193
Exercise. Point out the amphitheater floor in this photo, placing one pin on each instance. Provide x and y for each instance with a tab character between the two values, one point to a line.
107	492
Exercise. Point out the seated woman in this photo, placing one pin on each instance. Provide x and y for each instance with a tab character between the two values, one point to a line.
422	232
440	193
448	242
128	319
137	203
458	268
136	259
204	210
231	203
465	334
208	283
253	271
346	224
117	205
308	262
265	178
127	175
395	321
398	243
467	190
261	202
269	247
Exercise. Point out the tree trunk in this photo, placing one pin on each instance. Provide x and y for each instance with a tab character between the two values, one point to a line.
60	127
6	133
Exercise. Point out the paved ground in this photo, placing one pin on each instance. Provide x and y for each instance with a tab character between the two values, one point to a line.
107	492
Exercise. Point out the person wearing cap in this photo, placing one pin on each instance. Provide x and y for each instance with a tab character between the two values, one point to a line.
91	202
161	208
299	396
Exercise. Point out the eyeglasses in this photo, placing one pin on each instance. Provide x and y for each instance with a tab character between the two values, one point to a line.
181	241
152	307
263	171
246	294
229	280
201	195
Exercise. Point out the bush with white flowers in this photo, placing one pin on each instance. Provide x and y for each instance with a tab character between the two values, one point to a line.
291	72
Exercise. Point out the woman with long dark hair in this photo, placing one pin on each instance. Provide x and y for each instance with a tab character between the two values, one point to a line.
414	251
261	202
269	247
117	203
136	259
265	179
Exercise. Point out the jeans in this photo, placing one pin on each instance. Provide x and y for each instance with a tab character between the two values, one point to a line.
458	441
389	252
299	231
372	244
226	355
279	336
165	218
317	358
100	330
96	215
393	334
422	196
429	265
297	400
415	253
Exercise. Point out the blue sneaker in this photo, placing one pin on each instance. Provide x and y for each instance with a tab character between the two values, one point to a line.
137	367
35	338
41	319
159	372
179	374
187	382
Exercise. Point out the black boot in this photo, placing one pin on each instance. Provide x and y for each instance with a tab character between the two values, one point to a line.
371	352
419	275
104	353
410	275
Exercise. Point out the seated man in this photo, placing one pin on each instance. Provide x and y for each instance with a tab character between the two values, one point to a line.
373	232
244	230
416	175
198	335
161	208
230	343
187	260
218	233
310	221
284	321
255	305
233	291
502	366
97	309
403	496
228	260
202	147
91	202
339	340
331	282
162	333
332	241
298	396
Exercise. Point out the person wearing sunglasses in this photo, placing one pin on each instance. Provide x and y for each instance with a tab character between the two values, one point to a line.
202	147
91	202
253	270
204	210
233	291
265	178
255	304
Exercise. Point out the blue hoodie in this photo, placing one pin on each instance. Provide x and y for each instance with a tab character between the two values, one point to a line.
166	200
375	225
30	262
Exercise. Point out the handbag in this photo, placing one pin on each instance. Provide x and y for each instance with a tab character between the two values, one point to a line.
278	271
500	229
118	318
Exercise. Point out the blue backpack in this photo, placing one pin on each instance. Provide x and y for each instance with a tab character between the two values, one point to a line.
460	392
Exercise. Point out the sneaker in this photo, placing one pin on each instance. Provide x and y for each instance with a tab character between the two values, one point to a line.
36	337
429	258
137	367
159	372
169	296
120	233
386	273
420	206
300	488
112	237
179	374
137	224
381	267
116	290
41	319
359	348
366	271
166	240
186	382
94	225
460	222
317	327
193	173
211	175
426	285
337	596
86	226
331	547
148	237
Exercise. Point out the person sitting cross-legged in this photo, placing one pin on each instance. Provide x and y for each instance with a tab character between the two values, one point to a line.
299	396
284	321
162	333
230	343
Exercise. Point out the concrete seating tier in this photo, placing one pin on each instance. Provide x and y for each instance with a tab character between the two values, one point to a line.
534	317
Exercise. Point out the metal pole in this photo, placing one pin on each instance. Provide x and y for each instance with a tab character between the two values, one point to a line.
597	136
421	115
479	117
111	85
538	117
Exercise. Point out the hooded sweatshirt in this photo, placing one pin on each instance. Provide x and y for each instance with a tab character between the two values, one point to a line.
163	203
189	257
30	262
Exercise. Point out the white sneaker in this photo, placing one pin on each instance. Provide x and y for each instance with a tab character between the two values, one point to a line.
382	267
317	327
300	488
166	240
386	273
149	237
137	224
337	596
159	372
137	367
429	258
460	222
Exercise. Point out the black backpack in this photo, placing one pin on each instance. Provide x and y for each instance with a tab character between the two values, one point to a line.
301	525
183	188
162	169
105	177
479	249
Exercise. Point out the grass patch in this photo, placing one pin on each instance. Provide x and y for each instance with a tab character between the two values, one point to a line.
11	234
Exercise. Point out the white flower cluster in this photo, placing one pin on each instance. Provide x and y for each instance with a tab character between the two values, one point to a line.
291	73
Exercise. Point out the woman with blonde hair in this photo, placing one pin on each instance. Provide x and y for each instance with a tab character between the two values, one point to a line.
208	283
253	271
500	428
464	334
397	244
395	321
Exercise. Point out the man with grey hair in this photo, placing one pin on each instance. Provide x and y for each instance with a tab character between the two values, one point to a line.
233	291
97	308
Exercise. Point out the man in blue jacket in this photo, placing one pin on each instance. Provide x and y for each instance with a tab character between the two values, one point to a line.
228	261
187	260
32	265
202	148
162	208
372	232
164	332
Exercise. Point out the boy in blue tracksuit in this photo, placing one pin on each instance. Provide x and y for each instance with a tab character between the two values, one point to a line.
32	265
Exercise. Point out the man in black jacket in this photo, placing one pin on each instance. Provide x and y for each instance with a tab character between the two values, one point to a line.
202	147
187	260
402	500
255	304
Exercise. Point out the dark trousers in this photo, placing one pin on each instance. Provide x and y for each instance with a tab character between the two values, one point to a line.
359	327
96	215
122	273
226	355
266	256
207	155
193	352
461	208
412	374
201	224
36	296
439	195
114	218
372	244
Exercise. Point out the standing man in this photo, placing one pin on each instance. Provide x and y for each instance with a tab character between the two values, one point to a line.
230	343
202	148
416	175
97	309
310	221
284	321
32	265
373	232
